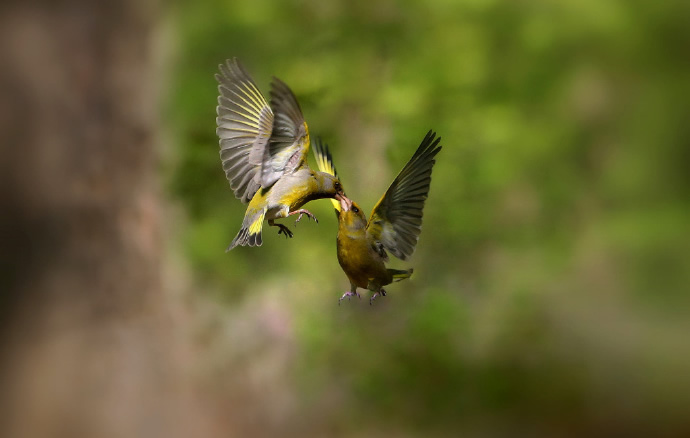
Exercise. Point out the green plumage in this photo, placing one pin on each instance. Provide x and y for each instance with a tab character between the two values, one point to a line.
394	225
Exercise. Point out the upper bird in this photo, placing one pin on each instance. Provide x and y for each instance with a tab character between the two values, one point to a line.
394	224
264	149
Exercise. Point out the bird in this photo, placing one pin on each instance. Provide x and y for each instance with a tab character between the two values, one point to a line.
393	226
263	150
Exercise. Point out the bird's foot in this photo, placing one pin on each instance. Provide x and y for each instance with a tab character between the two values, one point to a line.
302	212
283	230
347	295
382	292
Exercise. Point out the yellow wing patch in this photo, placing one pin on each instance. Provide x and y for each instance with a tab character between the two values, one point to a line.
257	225
324	161
307	140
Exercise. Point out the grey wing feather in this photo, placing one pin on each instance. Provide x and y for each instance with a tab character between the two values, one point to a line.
289	143
396	220
245	122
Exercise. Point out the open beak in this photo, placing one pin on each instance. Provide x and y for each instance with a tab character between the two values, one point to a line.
345	202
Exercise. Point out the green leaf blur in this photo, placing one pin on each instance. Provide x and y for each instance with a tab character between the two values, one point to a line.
552	275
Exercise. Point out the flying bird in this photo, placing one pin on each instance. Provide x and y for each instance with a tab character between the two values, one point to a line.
263	149
393	226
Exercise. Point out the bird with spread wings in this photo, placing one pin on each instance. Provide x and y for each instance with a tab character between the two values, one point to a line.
263	149
394	225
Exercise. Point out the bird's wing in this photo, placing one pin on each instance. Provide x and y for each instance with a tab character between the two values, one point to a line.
289	144
245	122
396	220
324	161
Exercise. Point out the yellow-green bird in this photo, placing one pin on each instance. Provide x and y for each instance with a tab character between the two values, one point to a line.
264	150
394	224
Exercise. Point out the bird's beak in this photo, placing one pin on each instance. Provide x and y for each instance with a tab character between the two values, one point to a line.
345	202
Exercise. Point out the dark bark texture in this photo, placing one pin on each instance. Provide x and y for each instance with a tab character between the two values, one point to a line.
87	334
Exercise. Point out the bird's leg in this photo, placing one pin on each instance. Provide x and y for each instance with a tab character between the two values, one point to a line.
350	293
381	292
301	212
282	228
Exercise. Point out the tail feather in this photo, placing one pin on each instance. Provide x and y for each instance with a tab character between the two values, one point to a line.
250	233
400	274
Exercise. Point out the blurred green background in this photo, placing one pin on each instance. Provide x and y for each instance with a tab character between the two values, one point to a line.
551	286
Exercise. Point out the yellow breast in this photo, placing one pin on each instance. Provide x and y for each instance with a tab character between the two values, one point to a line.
358	260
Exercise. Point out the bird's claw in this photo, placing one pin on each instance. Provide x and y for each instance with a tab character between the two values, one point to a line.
309	214
284	230
347	295
382	292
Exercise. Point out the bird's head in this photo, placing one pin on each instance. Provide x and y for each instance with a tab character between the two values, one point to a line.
329	185
351	215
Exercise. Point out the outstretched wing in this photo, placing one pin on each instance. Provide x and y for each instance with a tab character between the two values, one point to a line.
324	161
245	121
396	220
289	144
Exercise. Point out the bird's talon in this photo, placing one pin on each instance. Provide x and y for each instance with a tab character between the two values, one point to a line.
348	294
376	294
284	230
302	213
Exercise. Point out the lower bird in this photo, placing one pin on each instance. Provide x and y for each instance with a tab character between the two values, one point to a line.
394	225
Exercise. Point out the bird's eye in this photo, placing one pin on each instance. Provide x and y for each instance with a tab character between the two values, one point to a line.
355	209
337	185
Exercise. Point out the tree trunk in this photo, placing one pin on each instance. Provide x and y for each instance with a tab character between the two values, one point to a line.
87	333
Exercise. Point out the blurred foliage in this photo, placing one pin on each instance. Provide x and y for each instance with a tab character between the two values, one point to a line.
551	285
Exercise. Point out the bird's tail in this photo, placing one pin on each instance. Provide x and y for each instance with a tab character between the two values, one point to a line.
400	274
250	233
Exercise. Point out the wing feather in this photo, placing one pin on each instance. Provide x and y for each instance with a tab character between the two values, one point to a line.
396	220
244	125
289	143
324	161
